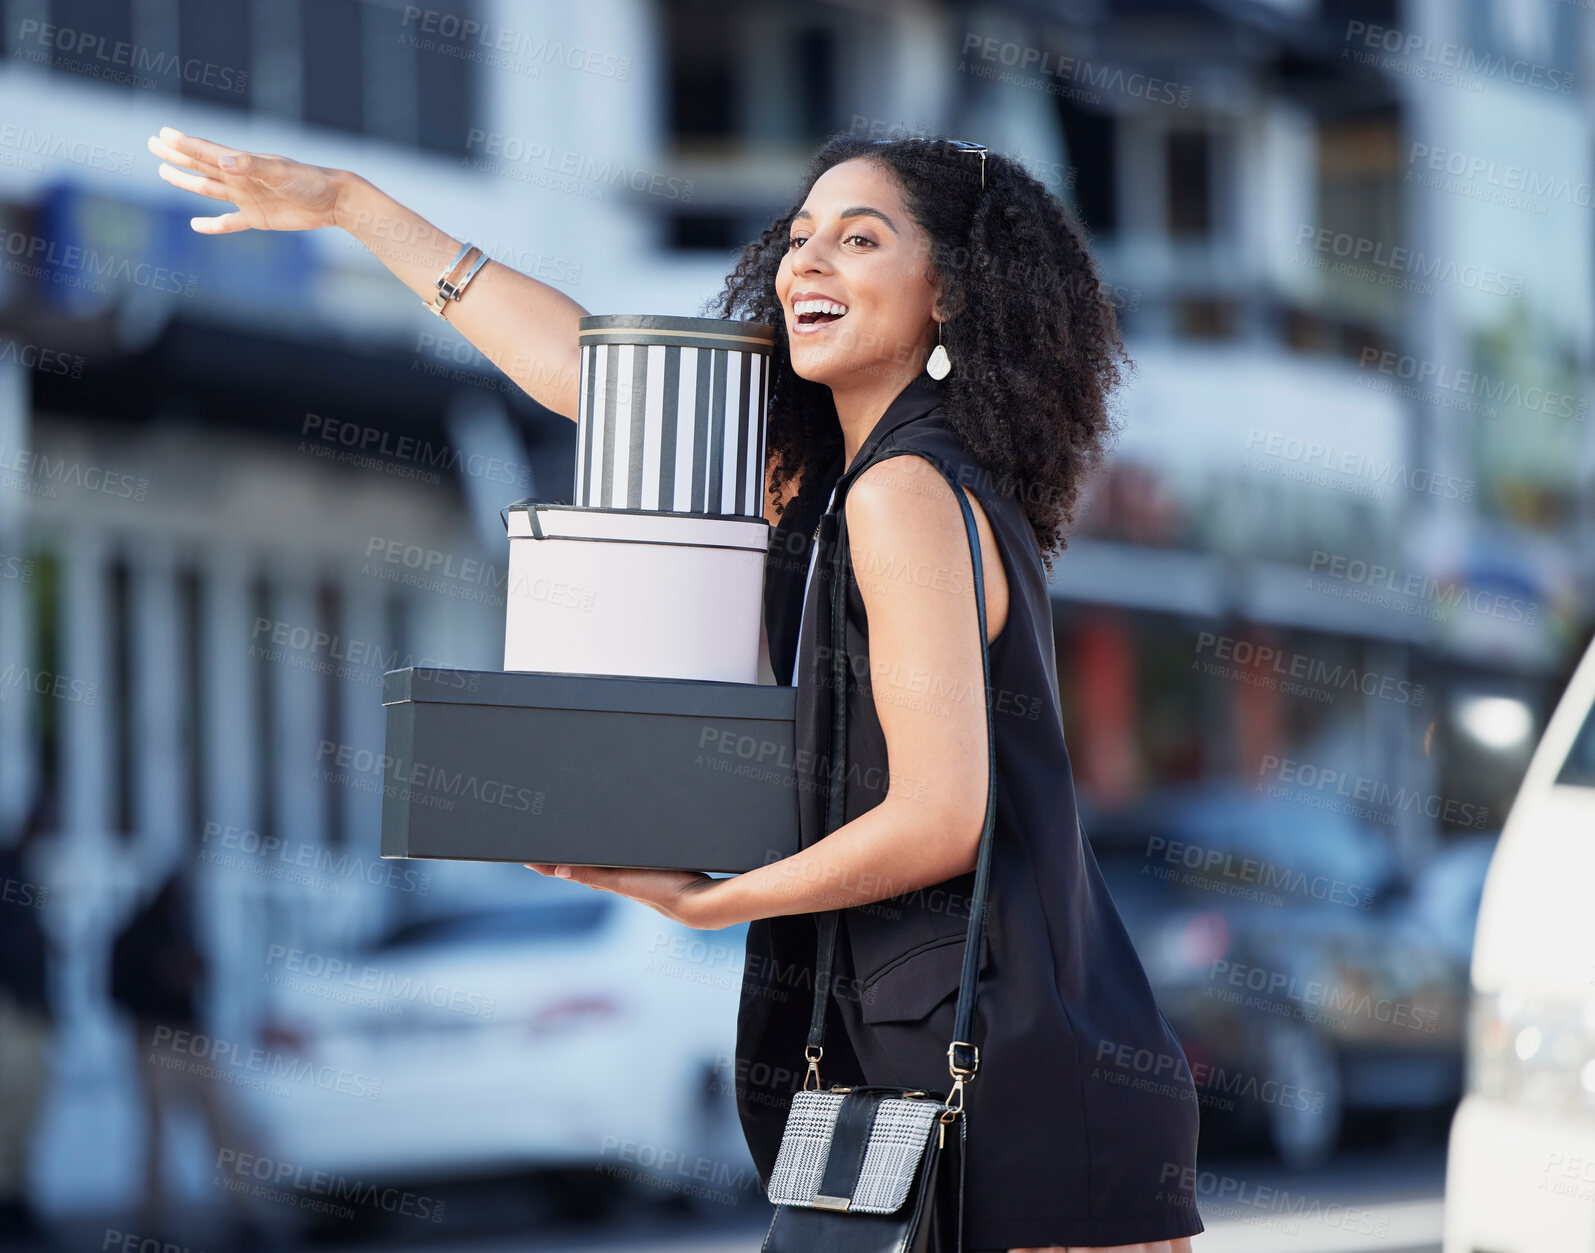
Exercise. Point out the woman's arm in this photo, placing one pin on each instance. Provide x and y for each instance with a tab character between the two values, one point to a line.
524	326
910	556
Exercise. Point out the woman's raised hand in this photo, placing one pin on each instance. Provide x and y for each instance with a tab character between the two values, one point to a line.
521	324
272	193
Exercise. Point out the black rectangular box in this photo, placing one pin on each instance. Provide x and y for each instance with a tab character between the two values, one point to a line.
596	770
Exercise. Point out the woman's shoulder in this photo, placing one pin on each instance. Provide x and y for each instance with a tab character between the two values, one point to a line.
996	491
931	433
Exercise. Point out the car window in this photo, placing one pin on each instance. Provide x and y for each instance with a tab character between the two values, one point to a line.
1579	768
546	920
1188	846
1294	839
1448	891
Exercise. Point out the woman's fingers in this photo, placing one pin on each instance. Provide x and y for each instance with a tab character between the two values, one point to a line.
212	187
272	192
193	150
222	224
190	163
173	146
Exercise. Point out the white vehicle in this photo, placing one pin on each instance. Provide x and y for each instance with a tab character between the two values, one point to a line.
579	1031
1520	1170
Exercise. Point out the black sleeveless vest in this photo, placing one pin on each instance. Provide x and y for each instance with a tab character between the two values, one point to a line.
1068	1141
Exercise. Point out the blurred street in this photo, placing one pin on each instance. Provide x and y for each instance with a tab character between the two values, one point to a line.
1371	1200
1320	638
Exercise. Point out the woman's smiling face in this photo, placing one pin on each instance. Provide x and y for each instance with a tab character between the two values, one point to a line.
854	244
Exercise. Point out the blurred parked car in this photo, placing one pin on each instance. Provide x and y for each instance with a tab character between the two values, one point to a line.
580	1031
1305	974
1520	1167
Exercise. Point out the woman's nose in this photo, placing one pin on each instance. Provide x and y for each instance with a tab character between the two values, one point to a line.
810	258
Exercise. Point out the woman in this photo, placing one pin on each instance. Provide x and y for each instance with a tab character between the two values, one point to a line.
1082	1121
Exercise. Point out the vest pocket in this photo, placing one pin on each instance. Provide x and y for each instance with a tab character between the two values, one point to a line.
913	984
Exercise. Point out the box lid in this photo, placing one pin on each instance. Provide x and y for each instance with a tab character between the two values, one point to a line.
732	334
536	519
697	698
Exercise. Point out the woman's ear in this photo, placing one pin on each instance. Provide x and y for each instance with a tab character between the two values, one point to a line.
946	306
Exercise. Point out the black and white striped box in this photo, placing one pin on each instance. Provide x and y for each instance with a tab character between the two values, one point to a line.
672	414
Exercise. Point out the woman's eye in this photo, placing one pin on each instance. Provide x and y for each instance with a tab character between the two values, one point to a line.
798	239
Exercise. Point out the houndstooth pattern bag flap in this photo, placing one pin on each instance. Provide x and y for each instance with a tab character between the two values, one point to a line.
897	1137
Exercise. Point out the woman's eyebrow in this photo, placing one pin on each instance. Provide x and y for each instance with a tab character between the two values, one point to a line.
856	211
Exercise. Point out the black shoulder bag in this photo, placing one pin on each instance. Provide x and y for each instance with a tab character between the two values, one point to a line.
860	1169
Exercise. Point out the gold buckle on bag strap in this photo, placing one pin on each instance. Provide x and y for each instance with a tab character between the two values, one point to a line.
813	1052
960	1072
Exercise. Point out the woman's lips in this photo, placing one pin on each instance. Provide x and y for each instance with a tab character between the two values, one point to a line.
809	328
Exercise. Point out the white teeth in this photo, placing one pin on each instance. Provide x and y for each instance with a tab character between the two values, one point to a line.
817	306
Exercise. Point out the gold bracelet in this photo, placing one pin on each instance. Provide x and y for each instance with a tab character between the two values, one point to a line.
448	290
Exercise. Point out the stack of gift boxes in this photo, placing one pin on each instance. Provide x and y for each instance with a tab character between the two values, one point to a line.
628	726
657	568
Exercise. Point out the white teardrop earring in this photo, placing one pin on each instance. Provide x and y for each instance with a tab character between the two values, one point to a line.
939	364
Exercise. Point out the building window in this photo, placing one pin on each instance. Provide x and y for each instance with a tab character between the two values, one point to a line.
266	698
1360	167
1206	317
814	48
709	231
798	63
364	66
701	53
45	606
86	34
445	97
121	695
1189	156
377	69
330	40
1090	138
329	609
191	624
214	53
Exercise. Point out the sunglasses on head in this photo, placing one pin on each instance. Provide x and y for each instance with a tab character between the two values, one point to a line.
963	145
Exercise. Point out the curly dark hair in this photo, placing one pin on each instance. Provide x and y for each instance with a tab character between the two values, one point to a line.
1032	330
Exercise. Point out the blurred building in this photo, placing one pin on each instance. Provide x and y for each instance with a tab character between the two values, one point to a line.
242	476
1352	242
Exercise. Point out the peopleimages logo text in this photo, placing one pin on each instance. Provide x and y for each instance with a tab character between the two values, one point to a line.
376	440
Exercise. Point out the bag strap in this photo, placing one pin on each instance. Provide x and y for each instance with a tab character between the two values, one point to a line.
963	1058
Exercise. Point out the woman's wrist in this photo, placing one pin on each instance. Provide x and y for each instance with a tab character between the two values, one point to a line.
762	892
351	188
711	905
